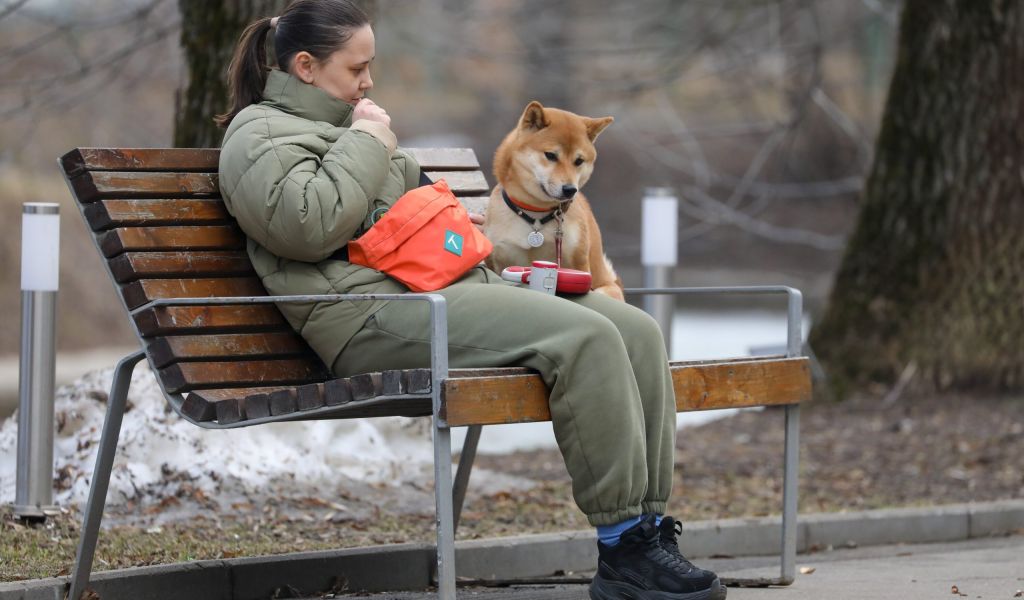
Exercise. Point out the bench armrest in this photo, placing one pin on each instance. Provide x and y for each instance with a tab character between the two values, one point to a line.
434	299
794	305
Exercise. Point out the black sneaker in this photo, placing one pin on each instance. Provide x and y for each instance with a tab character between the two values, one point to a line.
668	537
639	568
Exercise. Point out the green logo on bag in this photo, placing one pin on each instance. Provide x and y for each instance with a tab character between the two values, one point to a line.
453	242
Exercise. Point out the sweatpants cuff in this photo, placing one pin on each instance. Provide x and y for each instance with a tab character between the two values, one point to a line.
616	516
654	507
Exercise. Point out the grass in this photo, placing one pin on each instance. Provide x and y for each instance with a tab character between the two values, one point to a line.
48	549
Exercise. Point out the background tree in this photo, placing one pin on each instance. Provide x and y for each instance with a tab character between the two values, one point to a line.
209	32
756	112
932	275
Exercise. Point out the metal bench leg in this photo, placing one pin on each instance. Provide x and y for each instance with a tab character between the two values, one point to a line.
101	474
789	494
445	518
466	458
442	451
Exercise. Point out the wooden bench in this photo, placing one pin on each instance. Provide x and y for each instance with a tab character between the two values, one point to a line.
225	357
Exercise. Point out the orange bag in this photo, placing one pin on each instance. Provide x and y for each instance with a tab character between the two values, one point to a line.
425	240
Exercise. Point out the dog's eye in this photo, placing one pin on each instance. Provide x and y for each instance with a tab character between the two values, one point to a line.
551	156
578	162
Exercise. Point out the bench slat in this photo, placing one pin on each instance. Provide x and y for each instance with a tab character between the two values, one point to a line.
344	391
141	265
445	159
476	205
518	395
142	291
462	183
730	384
201	405
186	376
206	159
91	186
216	237
209	319
166	350
140	159
106	214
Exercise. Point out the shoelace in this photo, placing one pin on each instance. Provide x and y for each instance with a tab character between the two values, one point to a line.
658	554
673	541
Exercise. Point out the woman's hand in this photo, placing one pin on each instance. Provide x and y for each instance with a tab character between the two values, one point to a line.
367	109
477	220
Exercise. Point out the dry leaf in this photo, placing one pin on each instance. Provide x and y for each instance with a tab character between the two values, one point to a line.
1019	594
806	570
956	591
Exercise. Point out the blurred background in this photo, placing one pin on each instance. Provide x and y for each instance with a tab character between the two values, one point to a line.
761	114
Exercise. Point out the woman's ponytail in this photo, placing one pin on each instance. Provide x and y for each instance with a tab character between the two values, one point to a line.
320	27
247	73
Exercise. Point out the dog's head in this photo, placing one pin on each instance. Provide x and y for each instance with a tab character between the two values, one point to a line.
549	156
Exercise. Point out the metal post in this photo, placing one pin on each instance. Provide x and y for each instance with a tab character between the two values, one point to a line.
660	306
659	237
40	251
466	458
791	478
791	474
442	451
116	402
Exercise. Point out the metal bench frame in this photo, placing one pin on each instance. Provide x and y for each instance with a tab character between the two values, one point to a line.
449	497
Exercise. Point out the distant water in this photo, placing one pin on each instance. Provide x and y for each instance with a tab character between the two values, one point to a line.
696	335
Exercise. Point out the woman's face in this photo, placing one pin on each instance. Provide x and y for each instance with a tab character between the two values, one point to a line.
346	73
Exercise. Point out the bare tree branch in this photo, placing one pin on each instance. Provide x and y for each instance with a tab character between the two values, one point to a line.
95	69
707	208
10	8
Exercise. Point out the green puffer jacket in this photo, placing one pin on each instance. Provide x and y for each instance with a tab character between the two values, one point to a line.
302	180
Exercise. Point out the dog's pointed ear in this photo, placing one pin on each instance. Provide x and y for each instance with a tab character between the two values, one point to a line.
533	117
596	126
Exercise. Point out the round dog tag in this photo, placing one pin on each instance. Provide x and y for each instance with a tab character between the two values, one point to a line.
535	239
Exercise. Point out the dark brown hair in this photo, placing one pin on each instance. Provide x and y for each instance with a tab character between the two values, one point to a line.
320	27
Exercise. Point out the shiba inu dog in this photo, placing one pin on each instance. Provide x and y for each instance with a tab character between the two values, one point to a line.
536	208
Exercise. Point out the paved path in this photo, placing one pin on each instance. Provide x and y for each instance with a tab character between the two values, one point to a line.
989	568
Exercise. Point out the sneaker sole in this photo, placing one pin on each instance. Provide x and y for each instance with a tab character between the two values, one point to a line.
603	589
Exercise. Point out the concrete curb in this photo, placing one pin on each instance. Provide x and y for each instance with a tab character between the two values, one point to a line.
408	566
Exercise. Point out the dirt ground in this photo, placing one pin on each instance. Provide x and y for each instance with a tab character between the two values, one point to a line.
860	454
856	455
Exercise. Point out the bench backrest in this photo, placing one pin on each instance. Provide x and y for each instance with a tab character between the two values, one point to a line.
164	232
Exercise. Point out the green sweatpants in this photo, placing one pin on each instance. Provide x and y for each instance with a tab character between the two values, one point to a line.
612	402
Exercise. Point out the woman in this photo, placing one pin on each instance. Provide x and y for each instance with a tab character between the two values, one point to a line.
308	160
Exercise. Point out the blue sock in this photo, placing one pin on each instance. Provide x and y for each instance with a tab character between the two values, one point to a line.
609	534
657	520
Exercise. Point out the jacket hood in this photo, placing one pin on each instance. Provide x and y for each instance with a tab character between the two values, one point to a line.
294	96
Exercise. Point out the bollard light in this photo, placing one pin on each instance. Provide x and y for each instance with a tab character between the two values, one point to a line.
40	246
660	228
40	251
659	254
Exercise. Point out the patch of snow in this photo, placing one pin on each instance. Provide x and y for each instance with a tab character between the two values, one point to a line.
161	456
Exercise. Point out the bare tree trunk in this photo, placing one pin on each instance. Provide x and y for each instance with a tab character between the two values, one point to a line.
934	272
209	32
